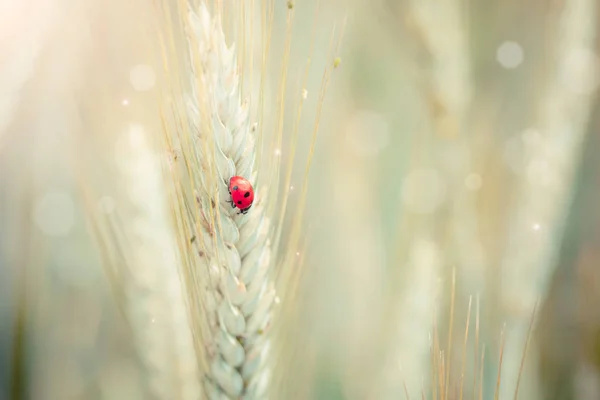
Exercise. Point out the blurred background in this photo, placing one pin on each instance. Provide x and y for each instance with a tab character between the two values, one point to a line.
454	189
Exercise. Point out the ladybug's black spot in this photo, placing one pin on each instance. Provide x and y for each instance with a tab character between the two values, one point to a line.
247	194
239	202
235	188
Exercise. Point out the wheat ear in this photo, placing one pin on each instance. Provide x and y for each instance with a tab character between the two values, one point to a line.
233	248
544	194
144	264
439	34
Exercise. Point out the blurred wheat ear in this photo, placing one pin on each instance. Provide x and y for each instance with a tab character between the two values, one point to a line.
221	268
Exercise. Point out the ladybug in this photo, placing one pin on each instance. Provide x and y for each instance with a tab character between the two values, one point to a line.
242	193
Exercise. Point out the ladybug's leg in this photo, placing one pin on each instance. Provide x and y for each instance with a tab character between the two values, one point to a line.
245	210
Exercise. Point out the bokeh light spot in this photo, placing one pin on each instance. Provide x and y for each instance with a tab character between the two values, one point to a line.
510	55
54	213
473	182
423	191
106	204
367	133
531	137
142	77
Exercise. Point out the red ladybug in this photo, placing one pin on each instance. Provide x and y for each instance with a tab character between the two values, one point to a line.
242	193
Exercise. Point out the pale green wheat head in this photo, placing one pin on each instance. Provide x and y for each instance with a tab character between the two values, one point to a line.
219	275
